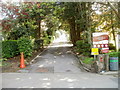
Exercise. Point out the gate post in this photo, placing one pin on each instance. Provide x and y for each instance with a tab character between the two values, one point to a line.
107	62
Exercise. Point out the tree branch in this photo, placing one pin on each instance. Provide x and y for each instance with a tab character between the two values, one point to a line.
112	7
115	11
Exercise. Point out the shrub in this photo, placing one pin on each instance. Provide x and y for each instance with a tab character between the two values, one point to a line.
9	48
38	44
114	54
25	46
47	40
83	47
111	46
88	60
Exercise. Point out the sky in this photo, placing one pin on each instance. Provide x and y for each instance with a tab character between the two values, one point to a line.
11	0
4	1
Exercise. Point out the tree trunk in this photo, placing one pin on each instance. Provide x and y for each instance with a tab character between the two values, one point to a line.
89	21
113	31
38	31
118	13
114	38
79	28
72	30
78	32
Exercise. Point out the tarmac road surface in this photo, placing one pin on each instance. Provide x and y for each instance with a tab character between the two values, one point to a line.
57	67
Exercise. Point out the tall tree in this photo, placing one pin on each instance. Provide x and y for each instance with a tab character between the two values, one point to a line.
27	16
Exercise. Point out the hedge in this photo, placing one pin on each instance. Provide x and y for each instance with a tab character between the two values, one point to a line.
9	48
25	45
114	54
83	47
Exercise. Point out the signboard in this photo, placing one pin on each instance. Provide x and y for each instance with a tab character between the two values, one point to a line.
105	50
94	51
100	40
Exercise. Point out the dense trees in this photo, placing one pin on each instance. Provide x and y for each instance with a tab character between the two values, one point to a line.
79	18
109	19
25	19
76	15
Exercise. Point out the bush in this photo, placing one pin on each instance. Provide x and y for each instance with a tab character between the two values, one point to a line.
114	54
38	44
83	47
88	60
111	46
47	40
9	48
25	46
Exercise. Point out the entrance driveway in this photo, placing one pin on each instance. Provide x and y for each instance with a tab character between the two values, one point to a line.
57	67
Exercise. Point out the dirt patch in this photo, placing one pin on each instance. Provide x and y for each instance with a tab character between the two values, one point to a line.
12	64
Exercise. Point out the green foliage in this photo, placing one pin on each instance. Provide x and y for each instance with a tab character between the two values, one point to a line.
88	60
2	62
25	46
114	54
38	44
83	47
26	18
22	29
9	48
48	37
111	46
46	41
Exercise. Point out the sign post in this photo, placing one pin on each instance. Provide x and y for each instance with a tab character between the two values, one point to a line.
100	45
94	51
100	40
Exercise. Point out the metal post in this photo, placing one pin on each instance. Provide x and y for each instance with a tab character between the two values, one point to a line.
107	62
95	57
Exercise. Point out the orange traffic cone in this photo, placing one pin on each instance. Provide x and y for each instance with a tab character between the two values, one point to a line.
22	64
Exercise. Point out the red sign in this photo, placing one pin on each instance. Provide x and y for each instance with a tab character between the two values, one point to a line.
105	50
100	38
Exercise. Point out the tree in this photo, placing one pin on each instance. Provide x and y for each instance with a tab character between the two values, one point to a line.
109	19
27	16
77	16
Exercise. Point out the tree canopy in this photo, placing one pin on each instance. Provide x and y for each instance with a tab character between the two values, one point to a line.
81	19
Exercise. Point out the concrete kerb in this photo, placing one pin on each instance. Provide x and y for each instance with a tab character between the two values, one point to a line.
114	73
83	65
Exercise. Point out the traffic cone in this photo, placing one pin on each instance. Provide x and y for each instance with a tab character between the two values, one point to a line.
22	64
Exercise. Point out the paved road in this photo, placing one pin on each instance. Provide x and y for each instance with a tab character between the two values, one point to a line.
57	58
57	67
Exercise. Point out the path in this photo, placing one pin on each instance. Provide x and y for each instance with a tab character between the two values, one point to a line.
55	59
57	67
